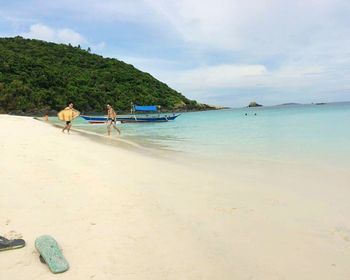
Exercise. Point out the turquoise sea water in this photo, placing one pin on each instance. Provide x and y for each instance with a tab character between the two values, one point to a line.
311	133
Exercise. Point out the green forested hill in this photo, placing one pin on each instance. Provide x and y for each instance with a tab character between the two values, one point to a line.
37	76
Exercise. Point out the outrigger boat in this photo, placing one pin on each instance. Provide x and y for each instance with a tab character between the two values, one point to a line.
133	118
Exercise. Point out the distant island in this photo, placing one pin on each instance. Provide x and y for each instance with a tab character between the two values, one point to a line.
38	77
254	104
289	104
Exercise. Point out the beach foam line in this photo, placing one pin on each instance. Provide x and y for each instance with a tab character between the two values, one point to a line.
108	137
153	150
94	124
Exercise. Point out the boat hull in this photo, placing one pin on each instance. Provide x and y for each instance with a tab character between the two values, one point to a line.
133	119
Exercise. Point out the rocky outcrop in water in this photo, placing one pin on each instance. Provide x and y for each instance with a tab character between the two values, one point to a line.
254	104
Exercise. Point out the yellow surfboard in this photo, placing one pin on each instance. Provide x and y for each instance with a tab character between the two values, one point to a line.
68	114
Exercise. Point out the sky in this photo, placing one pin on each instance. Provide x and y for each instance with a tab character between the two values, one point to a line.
220	52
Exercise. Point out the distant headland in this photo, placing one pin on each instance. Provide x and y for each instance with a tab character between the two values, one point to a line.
255	104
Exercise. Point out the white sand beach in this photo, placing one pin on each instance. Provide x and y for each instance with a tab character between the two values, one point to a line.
118	213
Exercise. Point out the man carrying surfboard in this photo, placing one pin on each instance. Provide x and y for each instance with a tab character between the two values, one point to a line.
68	114
111	119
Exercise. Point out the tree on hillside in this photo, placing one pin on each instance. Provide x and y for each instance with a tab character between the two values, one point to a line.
37	75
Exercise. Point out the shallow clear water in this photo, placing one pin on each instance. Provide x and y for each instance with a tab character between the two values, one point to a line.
312	133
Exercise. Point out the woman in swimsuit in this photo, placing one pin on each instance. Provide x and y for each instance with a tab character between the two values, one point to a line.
111	119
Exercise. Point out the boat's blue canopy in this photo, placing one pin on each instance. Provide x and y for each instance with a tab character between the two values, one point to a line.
145	108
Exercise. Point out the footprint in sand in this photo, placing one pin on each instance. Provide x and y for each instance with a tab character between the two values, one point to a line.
343	233
273	202
226	210
12	235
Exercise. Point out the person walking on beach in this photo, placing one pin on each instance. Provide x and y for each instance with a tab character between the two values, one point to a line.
67	115
111	119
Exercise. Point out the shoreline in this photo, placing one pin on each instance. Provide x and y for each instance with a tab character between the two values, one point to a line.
53	113
150	150
119	213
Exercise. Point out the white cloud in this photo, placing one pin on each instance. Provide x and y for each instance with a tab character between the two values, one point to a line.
61	35
229	76
98	47
218	76
236	85
262	26
238	76
295	81
257	28
42	32
68	35
46	33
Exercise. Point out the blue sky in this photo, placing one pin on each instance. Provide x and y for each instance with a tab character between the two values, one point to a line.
222	52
